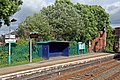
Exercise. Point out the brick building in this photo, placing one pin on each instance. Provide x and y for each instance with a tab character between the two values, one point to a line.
117	36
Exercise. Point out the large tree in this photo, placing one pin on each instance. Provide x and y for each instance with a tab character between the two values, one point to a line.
36	23
95	19
76	21
72	22
8	8
64	20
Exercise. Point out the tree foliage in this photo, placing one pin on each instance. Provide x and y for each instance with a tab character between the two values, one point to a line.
8	8
36	23
67	21
64	20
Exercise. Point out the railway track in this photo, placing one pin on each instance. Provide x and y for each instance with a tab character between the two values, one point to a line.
115	76
85	73
70	69
105	71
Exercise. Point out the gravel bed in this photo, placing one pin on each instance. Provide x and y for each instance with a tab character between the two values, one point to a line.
107	74
91	73
53	73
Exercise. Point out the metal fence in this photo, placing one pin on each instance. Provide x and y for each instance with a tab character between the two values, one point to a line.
73	50
18	53
21	53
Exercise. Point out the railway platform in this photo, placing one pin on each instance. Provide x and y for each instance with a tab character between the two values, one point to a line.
54	62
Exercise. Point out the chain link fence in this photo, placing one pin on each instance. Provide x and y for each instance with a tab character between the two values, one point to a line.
21	53
18	53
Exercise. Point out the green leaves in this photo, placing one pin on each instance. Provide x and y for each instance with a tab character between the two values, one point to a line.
67	21
64	19
8	8
3	57
36	23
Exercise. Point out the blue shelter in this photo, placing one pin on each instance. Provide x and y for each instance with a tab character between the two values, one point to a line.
49	49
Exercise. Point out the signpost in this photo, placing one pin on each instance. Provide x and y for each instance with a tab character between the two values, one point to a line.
10	39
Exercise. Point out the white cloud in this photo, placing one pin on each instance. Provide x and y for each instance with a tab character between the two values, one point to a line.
30	7
113	8
34	5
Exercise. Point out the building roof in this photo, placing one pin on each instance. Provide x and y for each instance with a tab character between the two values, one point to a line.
51	41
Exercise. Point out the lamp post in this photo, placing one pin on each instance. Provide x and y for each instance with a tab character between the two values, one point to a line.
32	35
105	38
9	56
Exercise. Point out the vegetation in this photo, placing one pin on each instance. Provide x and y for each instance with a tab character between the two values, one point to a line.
19	54
67	21
8	8
22	42
36	23
3	57
21	63
60	21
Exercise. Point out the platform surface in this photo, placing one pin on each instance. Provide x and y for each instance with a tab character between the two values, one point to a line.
51	61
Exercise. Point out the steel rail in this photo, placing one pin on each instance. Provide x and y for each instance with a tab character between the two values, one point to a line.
100	72
114	76
64	77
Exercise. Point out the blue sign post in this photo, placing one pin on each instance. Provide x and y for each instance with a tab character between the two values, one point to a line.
10	39
9	56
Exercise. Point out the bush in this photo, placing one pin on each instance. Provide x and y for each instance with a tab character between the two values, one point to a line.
22	42
73	43
4	57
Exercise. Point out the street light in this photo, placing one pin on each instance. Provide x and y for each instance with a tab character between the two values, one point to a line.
13	20
9	56
32	35
104	30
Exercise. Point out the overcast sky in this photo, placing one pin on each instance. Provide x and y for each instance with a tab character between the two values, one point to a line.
30	7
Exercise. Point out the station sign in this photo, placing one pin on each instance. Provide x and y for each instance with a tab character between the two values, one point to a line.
10	36
81	45
10	40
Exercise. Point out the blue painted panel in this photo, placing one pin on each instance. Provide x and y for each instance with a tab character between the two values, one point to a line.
52	49
66	51
45	51
56	54
59	49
